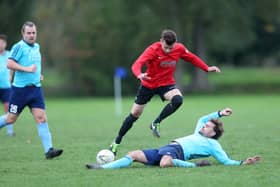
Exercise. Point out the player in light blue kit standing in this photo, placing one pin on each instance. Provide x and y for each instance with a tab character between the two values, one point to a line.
202	143
25	61
5	84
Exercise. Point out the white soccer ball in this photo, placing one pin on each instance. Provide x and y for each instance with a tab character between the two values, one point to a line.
105	156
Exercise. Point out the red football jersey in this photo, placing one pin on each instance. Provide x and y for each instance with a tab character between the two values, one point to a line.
160	66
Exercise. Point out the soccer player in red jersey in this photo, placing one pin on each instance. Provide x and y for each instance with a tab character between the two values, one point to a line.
160	60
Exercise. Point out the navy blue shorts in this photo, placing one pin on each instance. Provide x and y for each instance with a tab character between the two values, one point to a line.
5	94
30	96
154	155
144	94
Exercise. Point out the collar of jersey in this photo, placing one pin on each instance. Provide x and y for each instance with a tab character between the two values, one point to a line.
31	45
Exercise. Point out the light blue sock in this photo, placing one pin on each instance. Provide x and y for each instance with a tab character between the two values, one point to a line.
121	163
181	163
10	129
45	135
2	121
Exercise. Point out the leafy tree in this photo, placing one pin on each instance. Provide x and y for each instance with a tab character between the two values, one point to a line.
85	40
13	15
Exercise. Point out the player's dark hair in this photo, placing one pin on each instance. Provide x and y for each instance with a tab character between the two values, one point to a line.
219	128
169	36
3	37
27	23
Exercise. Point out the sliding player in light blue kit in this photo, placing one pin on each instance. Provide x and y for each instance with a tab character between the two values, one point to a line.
202	143
25	61
5	84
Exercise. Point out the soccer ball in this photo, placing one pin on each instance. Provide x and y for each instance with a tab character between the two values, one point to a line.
105	156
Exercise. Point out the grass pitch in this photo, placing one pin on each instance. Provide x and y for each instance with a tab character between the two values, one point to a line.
84	126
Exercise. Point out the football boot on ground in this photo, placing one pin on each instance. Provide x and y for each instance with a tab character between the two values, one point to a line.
202	163
93	166
11	134
114	148
52	153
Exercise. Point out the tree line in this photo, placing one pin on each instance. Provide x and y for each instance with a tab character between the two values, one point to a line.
84	41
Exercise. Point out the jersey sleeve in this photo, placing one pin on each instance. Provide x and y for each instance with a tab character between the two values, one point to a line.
16	52
145	57
192	58
201	122
220	155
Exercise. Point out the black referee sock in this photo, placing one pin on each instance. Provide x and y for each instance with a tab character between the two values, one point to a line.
170	108
127	124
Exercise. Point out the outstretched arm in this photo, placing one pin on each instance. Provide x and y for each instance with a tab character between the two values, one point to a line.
225	112
214	69
195	60
221	156
251	160
215	115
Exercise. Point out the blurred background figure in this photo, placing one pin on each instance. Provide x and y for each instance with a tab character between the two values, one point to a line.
5	80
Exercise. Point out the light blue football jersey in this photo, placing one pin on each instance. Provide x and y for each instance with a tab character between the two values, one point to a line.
26	55
4	71
198	146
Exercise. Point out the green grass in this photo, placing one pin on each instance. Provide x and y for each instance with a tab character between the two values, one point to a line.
230	80
247	80
84	126
244	80
245	76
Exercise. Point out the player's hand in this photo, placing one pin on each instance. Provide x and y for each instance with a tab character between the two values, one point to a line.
226	112
31	68
214	69
252	160
144	76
